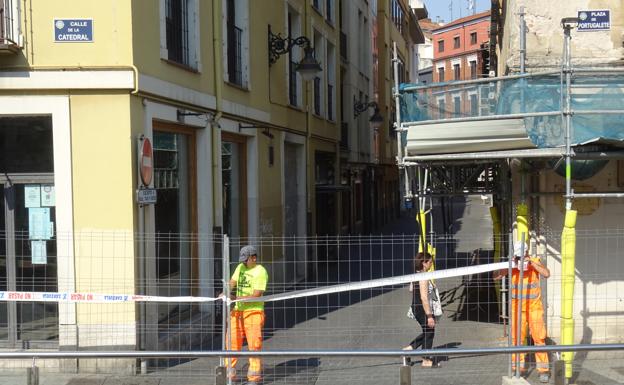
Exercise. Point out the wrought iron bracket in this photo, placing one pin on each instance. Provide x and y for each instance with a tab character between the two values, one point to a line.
279	45
359	107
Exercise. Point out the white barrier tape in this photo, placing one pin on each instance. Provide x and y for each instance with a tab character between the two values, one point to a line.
33	296
36	296
403	279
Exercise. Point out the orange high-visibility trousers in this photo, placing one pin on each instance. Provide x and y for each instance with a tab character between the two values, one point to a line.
533	317
247	323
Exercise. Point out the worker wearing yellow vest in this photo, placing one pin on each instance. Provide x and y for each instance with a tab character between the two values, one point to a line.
247	318
532	307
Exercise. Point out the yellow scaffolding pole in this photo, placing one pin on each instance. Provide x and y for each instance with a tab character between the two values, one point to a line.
568	251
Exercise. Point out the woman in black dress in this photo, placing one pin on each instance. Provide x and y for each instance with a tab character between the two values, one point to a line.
421	293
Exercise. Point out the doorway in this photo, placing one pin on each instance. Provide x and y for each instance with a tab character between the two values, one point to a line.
27	260
28	249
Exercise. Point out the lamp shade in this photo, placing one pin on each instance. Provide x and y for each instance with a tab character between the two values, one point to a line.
308	67
376	120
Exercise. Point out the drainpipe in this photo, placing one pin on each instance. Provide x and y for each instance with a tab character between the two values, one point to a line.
310	177
217	199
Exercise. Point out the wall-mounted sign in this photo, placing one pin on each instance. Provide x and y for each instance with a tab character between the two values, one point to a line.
73	30
146	156
594	20
146	196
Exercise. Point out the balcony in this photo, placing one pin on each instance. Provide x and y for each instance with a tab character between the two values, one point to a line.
522	112
317	95
9	27
234	55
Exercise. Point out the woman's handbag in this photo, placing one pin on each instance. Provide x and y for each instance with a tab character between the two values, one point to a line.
434	302
410	313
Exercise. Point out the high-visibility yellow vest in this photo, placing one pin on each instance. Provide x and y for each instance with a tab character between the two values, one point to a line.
531	290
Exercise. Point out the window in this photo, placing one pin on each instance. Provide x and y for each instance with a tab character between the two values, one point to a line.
398	15
441	74
180	32
329	10
318	86
317	4
331	80
457	71
177	30
457	106
473	69
474	107
317	95
401	70
473	38
236	42
440	45
456	42
26	145
441	108
294	79
234	35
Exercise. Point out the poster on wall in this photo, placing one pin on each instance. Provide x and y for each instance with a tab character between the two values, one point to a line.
39	252
47	195
32	195
39	225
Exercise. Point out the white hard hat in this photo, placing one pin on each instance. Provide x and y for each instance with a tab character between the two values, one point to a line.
519	247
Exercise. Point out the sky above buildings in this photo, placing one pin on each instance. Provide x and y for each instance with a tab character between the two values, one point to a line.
442	8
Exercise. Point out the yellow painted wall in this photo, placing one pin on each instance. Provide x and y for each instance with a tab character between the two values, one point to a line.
102	161
146	42
111	28
270	186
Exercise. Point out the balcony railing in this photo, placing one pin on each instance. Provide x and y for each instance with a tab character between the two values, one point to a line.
317	95
292	84
235	62
176	23
330	102
8	26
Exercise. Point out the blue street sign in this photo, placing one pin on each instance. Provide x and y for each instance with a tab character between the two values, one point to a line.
73	30
594	20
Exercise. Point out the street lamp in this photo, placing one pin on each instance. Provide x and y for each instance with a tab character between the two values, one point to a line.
375	120
308	67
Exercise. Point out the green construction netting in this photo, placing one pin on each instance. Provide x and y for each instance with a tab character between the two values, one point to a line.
532	94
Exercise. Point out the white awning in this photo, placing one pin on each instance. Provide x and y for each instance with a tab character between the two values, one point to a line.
467	136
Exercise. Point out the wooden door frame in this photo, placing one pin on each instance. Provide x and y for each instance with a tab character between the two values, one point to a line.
242	141
191	133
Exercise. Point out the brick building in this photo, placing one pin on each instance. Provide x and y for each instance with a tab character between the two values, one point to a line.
458	48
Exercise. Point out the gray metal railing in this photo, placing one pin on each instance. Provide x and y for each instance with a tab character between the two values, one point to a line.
7	22
33	375
235	64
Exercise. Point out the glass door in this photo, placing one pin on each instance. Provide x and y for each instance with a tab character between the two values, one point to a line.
28	260
4	314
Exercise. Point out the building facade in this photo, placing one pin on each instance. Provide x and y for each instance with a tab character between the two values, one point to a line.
397	24
243	145
458	48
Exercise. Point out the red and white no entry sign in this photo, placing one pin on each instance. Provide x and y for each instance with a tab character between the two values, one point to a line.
146	162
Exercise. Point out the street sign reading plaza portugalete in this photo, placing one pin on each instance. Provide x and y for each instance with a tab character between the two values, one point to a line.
73	30
594	20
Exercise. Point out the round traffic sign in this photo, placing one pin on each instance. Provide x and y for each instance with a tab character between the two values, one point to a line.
147	162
